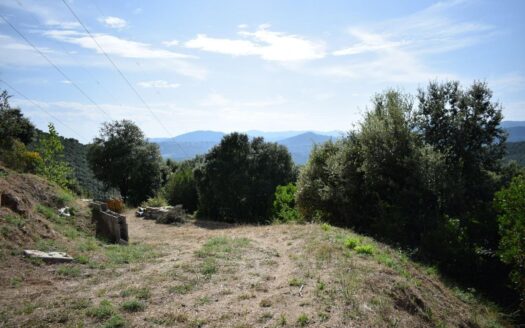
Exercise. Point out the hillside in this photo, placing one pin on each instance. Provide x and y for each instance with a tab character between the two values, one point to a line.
203	274
301	145
516	152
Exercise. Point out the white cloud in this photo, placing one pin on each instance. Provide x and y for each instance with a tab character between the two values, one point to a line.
271	46
66	25
171	43
242	26
161	84
218	100
114	45
113	22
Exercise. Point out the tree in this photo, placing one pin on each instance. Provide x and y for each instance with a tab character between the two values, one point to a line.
238	179
13	124
53	165
284	204
121	158
181	188
510	202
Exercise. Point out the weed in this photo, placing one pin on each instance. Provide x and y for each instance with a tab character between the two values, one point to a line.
222	246
303	320
282	320
15	282
82	259
323	316
133	253
365	249
133	306
295	282
326	227
265	317
50	214
15	220
143	293
265	303
169	319
68	271
209	267
103	311
181	289
64	198
116	321
320	285
203	300
352	242
197	323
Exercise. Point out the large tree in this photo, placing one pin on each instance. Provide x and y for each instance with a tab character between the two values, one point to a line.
122	158
238	179
13	124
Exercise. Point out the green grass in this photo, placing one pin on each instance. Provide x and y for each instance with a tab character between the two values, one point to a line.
103	311
50	214
365	249
132	253
64	197
143	293
352	242
133	305
15	220
295	282
209	267
115	321
68	271
182	289
222	246
326	227
49	245
303	320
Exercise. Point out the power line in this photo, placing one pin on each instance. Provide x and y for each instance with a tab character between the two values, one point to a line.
121	74
42	108
56	67
73	58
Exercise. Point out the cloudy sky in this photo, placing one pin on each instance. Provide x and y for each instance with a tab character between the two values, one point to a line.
178	66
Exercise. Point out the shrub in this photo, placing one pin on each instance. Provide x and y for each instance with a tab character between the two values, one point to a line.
181	188
510	202
365	249
352	242
284	204
115	205
133	306
157	201
18	158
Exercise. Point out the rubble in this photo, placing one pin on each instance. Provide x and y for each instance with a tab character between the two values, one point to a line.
110	226
64	211
166	214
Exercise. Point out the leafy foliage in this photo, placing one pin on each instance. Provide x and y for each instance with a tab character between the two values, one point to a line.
121	158
181	187
13	124
421	178
284	204
238	179
510	201
53	165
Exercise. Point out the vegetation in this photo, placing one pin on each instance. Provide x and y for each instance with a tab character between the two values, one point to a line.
511	203
284	204
423	178
121	158
181	187
237	181
53	166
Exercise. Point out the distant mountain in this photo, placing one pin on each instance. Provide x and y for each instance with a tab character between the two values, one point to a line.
188	145
511	124
516	133
301	145
516	152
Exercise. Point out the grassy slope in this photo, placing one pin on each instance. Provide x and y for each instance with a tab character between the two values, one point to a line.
209	275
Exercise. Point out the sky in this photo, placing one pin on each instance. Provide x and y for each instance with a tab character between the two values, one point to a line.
178	66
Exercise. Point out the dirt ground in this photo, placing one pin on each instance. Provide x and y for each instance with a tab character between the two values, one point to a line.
205	274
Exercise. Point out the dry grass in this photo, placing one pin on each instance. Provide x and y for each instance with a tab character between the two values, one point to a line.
215	275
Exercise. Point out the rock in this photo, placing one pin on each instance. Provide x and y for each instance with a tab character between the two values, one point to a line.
153	213
48	257
140	212
175	214
64	211
12	202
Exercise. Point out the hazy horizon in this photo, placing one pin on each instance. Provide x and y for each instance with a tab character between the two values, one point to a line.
239	66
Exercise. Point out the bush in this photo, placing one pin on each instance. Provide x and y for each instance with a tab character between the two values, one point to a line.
116	205
510	202
18	158
284	204
181	188
157	201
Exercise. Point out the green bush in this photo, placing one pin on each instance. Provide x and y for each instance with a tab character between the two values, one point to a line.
157	201
284	204
352	242
181	188
510	202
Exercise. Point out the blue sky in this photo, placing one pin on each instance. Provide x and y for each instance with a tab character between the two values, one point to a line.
242	65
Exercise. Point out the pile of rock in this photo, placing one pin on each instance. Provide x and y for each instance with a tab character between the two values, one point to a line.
165	214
